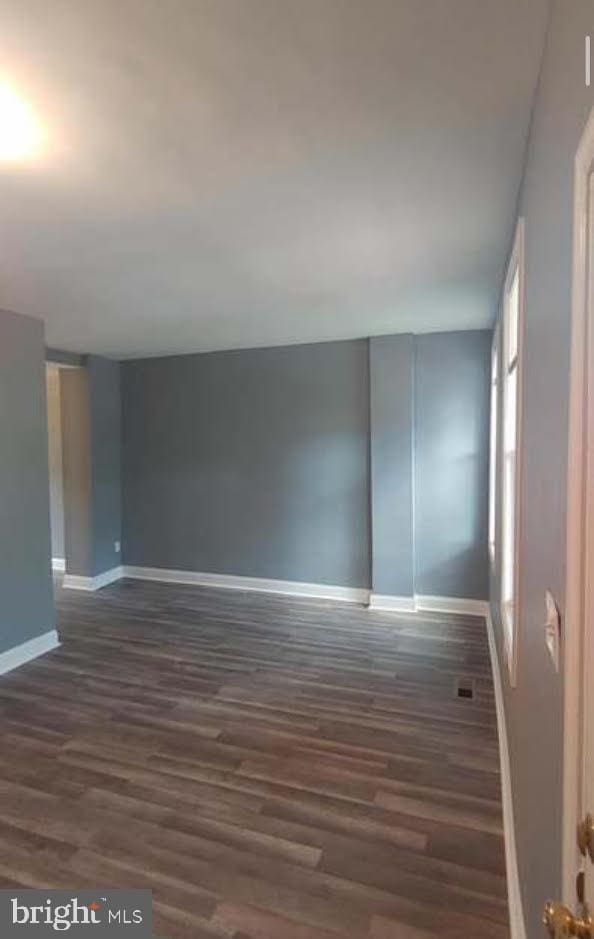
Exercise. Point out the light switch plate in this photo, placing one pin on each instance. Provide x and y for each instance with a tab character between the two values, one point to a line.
116	547
552	628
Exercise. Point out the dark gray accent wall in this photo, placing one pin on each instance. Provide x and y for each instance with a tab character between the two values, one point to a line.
91	435
300	463
26	600
534	708
391	375
451	463
250	463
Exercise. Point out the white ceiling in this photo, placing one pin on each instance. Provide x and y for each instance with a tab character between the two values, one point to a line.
228	173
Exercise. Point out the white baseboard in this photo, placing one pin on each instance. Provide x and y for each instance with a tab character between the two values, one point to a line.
27	651
291	588
58	564
258	584
77	582
514	893
391	604
428	604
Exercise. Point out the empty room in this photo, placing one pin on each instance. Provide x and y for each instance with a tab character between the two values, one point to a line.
296	468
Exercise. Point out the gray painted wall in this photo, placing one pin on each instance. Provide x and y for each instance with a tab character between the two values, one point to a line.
452	463
534	708
257	463
54	430
91	432
391	375
252	463
26	601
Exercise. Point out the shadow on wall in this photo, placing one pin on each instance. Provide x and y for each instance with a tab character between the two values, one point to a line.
451	524
452	402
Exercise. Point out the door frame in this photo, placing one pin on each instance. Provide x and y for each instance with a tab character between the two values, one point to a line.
581	403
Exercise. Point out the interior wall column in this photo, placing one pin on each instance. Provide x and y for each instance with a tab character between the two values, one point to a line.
391	370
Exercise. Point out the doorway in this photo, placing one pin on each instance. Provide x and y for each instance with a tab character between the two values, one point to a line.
67	436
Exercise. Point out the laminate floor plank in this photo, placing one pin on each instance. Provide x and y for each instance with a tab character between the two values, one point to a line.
271	768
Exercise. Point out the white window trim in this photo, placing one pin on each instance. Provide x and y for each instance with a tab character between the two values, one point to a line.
516	262
494	445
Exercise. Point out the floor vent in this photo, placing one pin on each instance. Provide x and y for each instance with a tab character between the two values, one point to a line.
464	688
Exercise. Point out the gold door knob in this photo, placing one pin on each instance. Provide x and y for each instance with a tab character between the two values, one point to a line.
562	924
585	836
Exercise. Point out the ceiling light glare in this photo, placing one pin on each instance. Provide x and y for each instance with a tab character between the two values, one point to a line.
20	134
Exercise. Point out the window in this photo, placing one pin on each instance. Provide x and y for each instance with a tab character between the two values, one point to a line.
511	380
493	446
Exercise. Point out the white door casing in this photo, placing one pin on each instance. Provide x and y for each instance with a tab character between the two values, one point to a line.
578	644
587	728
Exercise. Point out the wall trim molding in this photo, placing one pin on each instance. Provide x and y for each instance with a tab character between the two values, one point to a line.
391	604
461	605
422	603
27	651
579	446
514	893
78	582
291	588
59	564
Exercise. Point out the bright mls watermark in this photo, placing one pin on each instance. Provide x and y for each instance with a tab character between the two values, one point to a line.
588	62
46	912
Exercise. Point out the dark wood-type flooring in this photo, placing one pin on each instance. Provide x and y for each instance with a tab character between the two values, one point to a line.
272	768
